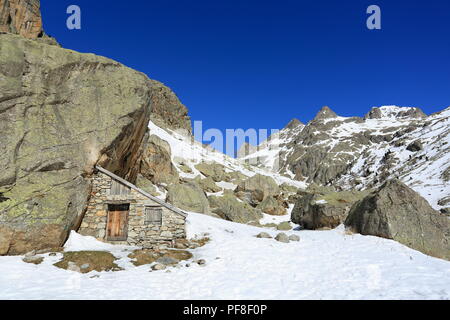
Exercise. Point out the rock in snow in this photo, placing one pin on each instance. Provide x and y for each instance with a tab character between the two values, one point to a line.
399	213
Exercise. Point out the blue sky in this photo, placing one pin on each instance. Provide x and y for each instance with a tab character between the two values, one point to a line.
258	64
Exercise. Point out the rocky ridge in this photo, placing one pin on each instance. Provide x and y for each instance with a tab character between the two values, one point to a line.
360	153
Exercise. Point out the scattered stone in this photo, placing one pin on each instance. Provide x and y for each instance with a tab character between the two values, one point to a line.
180	245
294	237
445	210
33	259
201	262
167	261
30	254
158	267
72	266
284	226
264	235
269	225
282	237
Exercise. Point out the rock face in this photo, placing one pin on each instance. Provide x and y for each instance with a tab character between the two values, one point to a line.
21	17
168	112
156	164
315	210
61	112
397	212
188	196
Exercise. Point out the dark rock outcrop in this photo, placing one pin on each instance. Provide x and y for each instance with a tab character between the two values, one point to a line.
61	112
396	212
321	208
22	17
415	146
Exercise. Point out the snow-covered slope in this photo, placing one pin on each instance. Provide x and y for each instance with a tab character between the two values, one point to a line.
323	265
422	170
186	151
267	154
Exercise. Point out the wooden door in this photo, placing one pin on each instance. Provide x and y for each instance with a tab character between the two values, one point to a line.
117	226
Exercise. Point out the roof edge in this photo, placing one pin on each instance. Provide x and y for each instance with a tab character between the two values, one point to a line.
148	195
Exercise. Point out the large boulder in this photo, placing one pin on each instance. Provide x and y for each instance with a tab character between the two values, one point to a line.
272	206
214	170
230	208
156	163
316	210
21	17
208	184
256	189
188	196
397	212
61	112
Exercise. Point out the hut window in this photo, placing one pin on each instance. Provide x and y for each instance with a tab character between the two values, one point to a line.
118	189
153	215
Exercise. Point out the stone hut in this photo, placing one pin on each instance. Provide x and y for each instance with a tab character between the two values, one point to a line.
118	212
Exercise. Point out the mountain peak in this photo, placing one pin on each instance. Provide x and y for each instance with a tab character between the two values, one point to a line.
325	113
395	112
294	123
